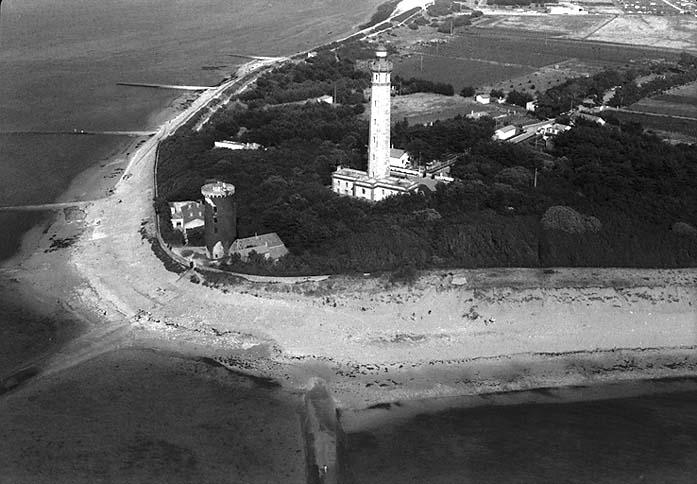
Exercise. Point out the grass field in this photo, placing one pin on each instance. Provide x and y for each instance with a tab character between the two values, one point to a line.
458	72
426	107
500	58
680	101
657	32
572	26
661	123
672	32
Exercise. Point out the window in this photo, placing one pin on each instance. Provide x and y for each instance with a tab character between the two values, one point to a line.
215	209
215	230
215	220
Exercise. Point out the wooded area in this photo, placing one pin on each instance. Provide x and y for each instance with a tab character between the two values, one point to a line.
632	186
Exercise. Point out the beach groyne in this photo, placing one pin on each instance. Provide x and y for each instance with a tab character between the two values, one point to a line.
319	427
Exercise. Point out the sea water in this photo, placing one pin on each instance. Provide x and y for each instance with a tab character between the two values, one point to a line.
649	437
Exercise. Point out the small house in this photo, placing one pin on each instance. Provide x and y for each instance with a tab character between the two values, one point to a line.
399	158
236	145
505	133
482	98
187	215
269	246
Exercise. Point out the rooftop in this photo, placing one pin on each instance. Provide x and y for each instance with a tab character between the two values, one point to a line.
217	189
362	178
396	153
268	245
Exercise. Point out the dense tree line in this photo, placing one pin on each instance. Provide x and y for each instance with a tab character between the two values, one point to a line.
633	184
630	92
518	98
441	8
310	78
571	93
382	13
412	85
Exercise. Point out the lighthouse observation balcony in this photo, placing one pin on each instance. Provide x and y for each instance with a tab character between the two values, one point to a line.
381	65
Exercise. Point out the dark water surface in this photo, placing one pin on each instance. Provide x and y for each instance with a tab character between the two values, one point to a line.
649	438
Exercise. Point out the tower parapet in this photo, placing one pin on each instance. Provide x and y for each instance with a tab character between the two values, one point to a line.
380	93
220	218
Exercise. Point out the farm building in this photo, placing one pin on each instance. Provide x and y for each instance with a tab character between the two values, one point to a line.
236	145
477	114
505	133
327	99
398	158
589	117
483	98
186	215
567	9
270	246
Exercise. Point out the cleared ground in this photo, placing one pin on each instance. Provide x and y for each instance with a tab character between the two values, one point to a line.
571	26
427	107
673	32
506	58
680	101
663	32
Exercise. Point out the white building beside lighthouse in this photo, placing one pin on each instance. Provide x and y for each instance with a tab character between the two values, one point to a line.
376	184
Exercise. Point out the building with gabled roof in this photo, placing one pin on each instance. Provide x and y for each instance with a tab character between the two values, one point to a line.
186	215
269	246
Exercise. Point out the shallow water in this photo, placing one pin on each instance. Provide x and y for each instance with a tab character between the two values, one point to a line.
647	438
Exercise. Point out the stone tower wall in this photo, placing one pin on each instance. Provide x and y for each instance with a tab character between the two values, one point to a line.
379	141
220	219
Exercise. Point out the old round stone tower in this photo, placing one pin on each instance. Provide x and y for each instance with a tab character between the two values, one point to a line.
220	218
379	142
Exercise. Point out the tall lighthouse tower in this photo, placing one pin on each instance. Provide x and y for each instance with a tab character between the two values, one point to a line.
379	143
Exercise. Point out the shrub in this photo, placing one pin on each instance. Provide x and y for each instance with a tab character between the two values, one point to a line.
568	220
467	91
516	176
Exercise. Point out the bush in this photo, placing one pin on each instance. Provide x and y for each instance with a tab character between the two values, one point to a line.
518	98
383	13
516	175
568	220
467	91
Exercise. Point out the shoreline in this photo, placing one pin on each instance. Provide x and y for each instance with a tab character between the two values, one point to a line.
123	290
